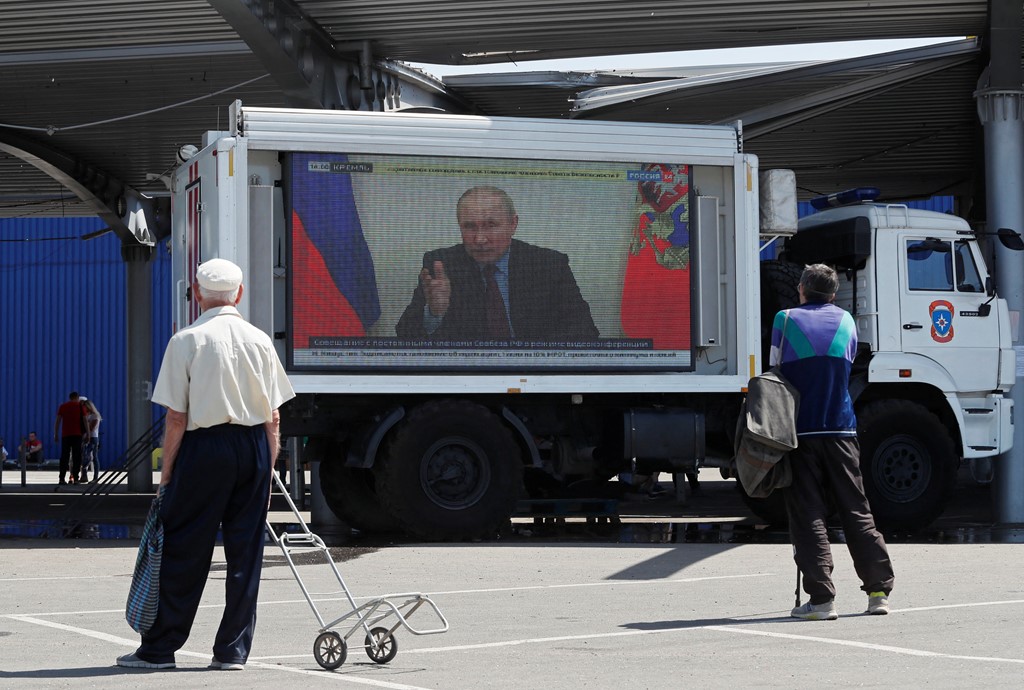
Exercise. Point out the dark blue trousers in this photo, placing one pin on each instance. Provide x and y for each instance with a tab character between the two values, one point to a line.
71	456
220	479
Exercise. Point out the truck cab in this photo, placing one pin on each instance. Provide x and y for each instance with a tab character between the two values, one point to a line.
935	359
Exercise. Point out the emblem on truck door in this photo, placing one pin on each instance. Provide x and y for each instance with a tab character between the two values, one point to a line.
941	313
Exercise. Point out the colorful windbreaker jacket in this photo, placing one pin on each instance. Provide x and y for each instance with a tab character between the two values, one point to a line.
816	353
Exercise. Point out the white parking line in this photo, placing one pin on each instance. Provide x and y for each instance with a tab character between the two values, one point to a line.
125	642
747	631
60	577
545	640
327	597
730	628
863	645
603	583
959	606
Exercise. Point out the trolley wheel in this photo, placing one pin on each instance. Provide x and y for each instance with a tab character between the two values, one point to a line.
387	646
330	650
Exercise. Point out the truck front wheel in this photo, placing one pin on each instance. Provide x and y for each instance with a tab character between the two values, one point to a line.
908	462
351	495
450	471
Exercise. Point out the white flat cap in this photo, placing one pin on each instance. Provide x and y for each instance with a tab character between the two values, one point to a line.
219	275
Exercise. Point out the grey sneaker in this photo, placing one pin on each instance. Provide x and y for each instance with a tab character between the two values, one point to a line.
218	665
878	603
816	612
132	661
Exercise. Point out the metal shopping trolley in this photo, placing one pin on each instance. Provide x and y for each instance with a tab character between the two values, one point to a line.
331	648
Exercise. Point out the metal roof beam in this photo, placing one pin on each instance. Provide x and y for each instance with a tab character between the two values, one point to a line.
311	68
588	103
169	50
138	220
761	121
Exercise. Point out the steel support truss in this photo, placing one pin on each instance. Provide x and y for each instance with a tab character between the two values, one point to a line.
315	71
135	218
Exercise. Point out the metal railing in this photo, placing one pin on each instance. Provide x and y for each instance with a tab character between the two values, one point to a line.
82	506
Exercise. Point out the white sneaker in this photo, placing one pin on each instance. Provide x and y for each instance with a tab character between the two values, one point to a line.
878	603
816	612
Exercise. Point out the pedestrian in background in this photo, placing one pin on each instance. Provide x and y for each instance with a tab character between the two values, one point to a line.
69	428
91	444
31	450
222	384
816	343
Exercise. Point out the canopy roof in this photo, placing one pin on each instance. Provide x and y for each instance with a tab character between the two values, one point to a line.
117	86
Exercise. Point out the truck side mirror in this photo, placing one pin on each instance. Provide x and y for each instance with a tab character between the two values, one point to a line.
1010	239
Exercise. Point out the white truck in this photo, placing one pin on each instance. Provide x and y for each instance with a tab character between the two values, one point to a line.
635	307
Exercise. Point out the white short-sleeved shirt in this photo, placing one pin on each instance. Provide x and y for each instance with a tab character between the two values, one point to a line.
222	370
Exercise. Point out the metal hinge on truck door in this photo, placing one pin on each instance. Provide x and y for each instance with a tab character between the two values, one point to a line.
200	206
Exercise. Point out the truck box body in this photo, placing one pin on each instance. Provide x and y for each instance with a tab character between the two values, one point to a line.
363	196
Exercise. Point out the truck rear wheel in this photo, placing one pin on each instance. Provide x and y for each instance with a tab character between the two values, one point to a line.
450	471
908	462
350	493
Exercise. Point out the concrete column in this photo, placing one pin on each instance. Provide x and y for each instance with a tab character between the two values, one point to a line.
139	307
1000	100
1002	114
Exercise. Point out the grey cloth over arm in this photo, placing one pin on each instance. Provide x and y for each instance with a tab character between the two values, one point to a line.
765	433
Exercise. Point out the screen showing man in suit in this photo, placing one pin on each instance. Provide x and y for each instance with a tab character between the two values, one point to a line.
491	287
440	262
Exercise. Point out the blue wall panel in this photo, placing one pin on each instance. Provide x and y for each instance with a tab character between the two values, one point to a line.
62	327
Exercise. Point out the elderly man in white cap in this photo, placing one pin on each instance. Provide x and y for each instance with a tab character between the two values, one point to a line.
221	382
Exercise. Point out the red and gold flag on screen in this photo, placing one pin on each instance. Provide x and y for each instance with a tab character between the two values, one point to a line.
656	288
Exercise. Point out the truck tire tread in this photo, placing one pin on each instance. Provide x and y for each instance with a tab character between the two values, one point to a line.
467	439
908	461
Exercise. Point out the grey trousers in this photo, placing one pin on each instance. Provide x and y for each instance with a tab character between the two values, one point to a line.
826	474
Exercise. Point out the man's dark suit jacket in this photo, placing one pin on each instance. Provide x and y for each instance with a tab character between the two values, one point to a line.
543	299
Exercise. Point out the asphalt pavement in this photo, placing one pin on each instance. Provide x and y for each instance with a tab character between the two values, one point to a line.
536	610
543	615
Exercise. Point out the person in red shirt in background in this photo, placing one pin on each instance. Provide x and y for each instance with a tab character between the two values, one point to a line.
30	450
69	427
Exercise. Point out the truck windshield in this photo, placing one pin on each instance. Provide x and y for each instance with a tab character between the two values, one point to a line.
968	278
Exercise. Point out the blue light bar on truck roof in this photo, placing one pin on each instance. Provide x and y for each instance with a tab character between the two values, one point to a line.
845	198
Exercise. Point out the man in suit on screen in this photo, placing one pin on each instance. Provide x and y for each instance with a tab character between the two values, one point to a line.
492	287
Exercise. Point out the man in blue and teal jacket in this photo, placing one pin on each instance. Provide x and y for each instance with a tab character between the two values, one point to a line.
815	344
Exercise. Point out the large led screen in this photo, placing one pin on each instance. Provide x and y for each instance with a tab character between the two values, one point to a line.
473	264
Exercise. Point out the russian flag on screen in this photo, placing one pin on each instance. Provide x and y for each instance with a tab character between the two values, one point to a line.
656	287
334	285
